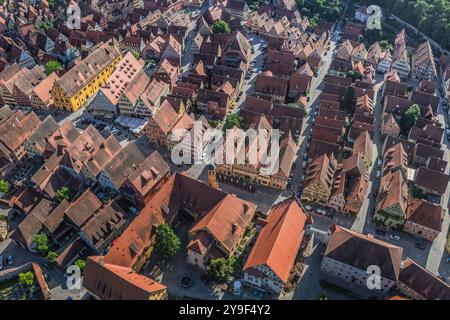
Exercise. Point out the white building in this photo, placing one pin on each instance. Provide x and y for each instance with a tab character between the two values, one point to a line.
274	254
351	256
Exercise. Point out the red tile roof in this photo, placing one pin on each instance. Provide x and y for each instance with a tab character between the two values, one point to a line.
278	243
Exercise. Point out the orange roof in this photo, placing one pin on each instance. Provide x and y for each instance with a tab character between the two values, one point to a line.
165	116
279	241
180	191
126	70
121	283
227	221
42	90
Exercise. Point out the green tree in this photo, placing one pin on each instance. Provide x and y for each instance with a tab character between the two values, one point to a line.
4	186
62	194
167	243
221	26
26	279
410	117
233	120
220	269
323	297
51	257
80	263
52	66
352	74
136	54
41	242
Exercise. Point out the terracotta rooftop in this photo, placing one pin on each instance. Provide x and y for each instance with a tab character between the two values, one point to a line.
361	251
278	243
425	214
112	282
422	282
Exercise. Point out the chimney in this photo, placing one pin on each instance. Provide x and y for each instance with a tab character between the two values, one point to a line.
233	228
245	208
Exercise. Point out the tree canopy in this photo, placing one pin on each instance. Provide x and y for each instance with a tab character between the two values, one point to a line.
167	243
432	17
410	117
233	120
26	278
41	241
4	186
80	263
62	194
320	9
220	269
53	66
51	257
221	26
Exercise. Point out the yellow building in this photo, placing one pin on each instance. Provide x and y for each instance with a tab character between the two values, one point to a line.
83	81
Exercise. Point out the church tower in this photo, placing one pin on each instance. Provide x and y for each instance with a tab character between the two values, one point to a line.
212	179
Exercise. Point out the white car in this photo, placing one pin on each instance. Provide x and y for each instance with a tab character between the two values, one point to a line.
308	208
134	210
304	163
394	237
379	163
378	174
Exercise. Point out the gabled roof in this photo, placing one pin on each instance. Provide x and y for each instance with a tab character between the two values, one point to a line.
423	282
278	243
112	282
432	180
425	214
82	209
227	221
361	251
393	191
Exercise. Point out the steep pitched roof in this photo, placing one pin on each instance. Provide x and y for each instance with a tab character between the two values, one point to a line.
424	213
361	251
227	221
423	282
112	282
432	180
279	241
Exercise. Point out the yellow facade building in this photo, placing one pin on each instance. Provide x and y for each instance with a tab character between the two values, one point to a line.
83	81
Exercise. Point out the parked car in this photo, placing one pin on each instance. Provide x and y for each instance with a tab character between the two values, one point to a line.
134	210
308	207
302	178
394	237
305	156
379	163
380	232
10	260
448	260
378	174
1	262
